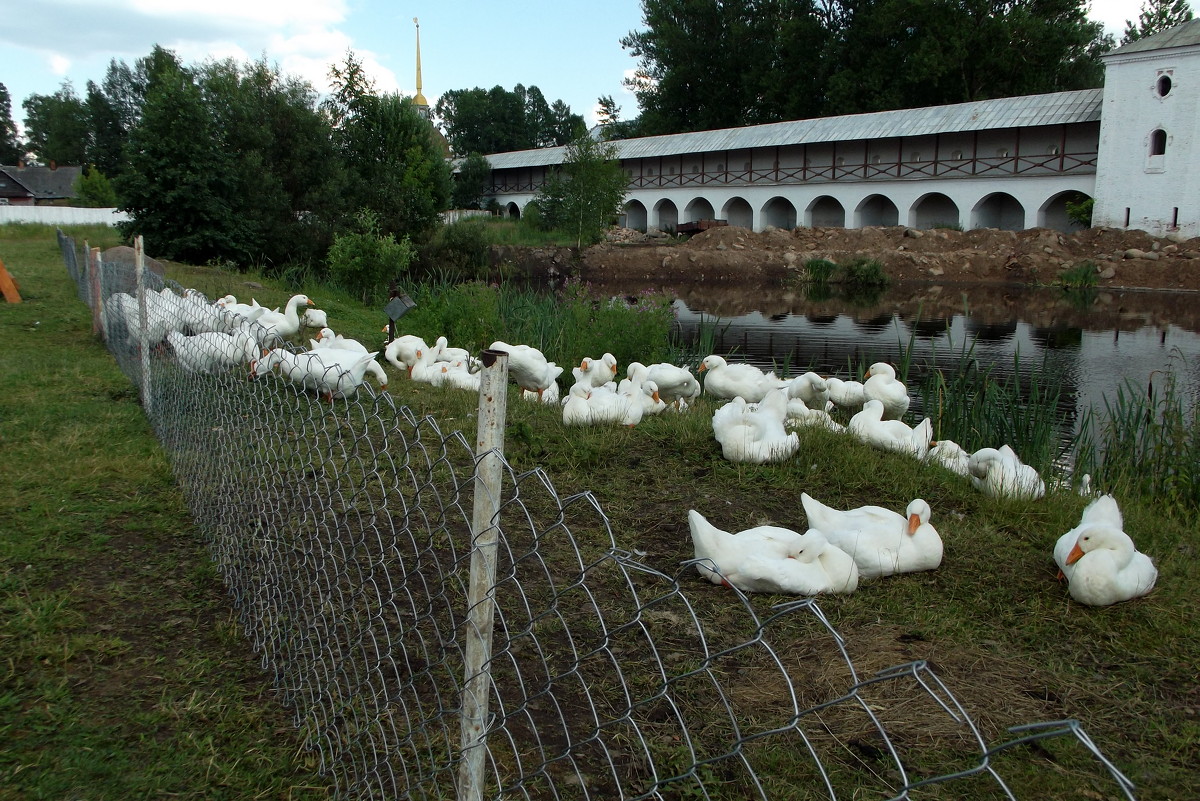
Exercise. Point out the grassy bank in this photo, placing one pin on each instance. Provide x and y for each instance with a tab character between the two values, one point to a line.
110	556
125	672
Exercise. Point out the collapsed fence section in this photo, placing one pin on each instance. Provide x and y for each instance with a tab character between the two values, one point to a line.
345	533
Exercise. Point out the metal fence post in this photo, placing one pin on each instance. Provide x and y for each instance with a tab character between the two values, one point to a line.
139	262
481	601
95	285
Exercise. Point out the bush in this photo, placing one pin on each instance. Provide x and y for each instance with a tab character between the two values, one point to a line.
460	250
864	273
1081	276
94	190
819	270
365	262
1080	211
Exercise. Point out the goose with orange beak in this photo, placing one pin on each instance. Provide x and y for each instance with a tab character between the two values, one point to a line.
882	542
1099	560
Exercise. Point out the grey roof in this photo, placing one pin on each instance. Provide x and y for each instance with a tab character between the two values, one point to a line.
1180	36
10	187
1005	112
47	183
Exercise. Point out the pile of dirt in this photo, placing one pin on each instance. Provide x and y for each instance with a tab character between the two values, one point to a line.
730	254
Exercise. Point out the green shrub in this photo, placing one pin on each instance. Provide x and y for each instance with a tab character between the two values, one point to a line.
460	249
1080	211
1081	276
864	273
364	263
94	190
819	270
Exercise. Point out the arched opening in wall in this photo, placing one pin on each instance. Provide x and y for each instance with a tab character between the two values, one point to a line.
876	210
1053	213
934	210
738	212
635	215
825	212
699	209
779	212
999	210
666	216
1158	142
1162	86
512	210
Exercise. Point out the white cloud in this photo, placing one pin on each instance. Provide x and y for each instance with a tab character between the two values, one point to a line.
59	65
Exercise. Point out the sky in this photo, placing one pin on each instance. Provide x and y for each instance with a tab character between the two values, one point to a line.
570	49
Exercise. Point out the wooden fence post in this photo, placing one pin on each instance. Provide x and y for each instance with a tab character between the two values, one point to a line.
481	598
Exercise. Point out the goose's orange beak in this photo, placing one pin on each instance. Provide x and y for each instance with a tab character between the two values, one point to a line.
703	367
914	523
1075	555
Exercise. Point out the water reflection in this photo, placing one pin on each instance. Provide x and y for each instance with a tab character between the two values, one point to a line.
1089	348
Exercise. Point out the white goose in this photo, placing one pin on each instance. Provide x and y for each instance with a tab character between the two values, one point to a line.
1099	560
881	385
755	434
528	367
674	383
881	541
846	395
1000	473
333	373
598	372
287	323
729	381
891	435
327	340
771	559
402	351
950	455
212	351
811	390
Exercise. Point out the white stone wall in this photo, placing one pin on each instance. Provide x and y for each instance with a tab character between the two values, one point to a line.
1134	189
60	215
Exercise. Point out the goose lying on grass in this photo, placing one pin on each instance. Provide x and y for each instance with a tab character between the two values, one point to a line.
771	559
881	541
1099	561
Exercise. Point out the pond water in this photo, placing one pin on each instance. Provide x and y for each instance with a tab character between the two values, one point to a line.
1090	342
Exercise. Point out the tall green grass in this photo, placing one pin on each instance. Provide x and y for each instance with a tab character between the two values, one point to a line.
567	325
1146	442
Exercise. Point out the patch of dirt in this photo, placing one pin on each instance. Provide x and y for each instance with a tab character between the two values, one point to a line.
1122	259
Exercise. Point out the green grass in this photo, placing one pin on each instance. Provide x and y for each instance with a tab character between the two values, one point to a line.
104	527
124	673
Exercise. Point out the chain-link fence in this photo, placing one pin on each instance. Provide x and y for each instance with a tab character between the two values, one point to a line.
344	532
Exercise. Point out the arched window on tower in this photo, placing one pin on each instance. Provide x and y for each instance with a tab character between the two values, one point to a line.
1158	142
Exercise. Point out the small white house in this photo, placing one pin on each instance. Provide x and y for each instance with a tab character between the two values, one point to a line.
1149	154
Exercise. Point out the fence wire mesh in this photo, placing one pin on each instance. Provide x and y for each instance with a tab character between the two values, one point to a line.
344	534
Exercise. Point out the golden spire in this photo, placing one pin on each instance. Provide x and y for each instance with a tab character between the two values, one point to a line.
419	101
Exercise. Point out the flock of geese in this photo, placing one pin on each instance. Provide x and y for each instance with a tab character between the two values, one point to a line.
755	424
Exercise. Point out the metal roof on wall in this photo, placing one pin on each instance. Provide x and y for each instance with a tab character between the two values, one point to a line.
1026	111
1183	35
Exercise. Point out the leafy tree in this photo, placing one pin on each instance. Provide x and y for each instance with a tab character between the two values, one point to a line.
287	181
10	144
106	134
708	64
498	121
1156	16
612	127
585	195
396	170
471	182
94	190
703	62
178	187
57	126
